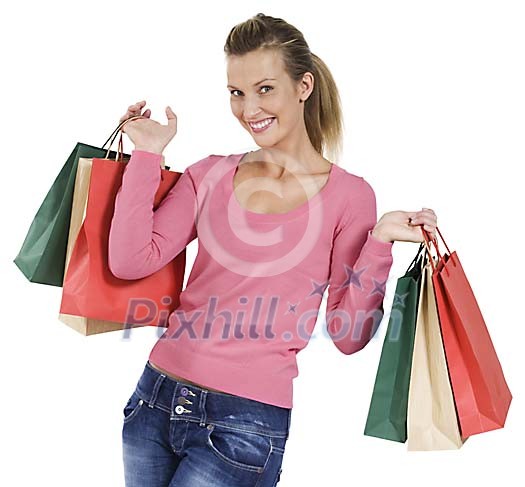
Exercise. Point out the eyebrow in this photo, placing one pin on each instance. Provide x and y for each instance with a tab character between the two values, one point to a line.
255	84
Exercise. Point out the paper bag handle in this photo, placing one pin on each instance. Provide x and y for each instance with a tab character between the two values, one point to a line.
120	149
428	239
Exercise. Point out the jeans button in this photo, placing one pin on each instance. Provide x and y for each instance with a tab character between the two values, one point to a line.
184	391
179	409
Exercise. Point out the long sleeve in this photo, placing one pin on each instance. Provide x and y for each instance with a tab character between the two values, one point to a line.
141	240
359	268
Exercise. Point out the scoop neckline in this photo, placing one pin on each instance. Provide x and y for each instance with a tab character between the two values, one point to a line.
275	217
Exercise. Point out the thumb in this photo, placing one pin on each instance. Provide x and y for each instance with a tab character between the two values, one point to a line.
170	114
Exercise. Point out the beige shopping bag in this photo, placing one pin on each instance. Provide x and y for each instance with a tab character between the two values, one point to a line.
432	422
82	324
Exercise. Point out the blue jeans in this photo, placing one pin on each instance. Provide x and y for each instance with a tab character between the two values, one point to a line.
176	434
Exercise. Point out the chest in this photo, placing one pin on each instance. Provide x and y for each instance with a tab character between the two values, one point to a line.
265	194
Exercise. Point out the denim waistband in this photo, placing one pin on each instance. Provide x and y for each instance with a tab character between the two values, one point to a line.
184	401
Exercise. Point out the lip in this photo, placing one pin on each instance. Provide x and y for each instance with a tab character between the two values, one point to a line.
258	121
259	130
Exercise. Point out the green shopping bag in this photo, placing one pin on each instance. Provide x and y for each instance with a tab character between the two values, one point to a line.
43	253
387	415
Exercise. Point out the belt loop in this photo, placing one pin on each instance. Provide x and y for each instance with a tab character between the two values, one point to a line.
202	403
155	391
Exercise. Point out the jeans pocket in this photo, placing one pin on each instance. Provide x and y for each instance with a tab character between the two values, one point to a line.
278	448
132	407
242	449
279	444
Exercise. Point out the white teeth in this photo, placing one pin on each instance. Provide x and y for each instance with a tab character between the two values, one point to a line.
260	125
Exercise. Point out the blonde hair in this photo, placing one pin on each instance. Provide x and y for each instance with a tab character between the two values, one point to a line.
322	112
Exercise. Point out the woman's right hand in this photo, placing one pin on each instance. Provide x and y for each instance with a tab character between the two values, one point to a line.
148	134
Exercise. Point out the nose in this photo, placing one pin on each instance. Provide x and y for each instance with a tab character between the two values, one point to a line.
256	115
252	110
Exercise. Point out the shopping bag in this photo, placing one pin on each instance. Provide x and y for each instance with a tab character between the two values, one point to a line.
84	325
387	414
90	290
79	203
432	422
41	257
481	393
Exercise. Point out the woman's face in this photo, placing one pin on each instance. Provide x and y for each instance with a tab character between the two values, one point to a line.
261	91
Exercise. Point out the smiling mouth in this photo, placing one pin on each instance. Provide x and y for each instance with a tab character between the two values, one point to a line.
259	126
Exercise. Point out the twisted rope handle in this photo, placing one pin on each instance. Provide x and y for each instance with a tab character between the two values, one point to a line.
428	239
113	136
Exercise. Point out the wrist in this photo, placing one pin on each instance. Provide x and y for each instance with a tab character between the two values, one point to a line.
379	234
149	148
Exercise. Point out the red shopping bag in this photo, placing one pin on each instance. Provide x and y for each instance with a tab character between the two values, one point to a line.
90	289
481	394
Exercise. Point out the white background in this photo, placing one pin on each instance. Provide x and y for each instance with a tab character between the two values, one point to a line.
434	101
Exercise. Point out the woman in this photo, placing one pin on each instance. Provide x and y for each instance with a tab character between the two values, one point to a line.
275	226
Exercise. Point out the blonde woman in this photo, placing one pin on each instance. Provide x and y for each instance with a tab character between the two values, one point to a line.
275	227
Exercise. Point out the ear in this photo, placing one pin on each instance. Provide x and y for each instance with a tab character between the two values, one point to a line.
306	86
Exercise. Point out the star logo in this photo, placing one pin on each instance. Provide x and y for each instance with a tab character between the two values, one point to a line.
319	288
379	287
399	299
353	276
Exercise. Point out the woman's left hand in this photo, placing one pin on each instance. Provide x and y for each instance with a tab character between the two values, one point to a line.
405	226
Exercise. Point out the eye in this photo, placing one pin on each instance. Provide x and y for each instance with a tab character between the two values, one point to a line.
265	86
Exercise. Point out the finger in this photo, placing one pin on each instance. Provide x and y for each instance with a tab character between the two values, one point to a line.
135	109
423	220
127	116
428	214
431	230
430	211
137	105
170	114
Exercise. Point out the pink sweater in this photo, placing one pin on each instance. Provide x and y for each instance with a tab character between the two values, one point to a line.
254	292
